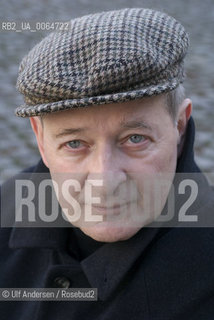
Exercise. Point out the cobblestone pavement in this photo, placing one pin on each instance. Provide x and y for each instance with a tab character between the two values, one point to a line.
17	144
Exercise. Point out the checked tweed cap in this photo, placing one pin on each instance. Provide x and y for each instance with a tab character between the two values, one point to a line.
102	58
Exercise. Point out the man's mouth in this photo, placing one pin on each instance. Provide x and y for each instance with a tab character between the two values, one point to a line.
106	210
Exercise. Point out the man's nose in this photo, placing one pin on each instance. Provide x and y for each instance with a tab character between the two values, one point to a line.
107	164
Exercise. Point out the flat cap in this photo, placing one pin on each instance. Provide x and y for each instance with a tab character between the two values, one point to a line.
102	58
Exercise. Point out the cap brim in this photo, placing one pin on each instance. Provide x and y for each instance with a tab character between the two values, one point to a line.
41	109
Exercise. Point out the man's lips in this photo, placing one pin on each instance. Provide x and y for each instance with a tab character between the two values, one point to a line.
109	210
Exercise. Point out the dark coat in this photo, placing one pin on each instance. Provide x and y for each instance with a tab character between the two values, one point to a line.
158	274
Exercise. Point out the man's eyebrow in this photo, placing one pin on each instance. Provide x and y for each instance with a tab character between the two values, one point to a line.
135	124
69	131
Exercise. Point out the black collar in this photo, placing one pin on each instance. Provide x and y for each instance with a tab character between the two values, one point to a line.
186	162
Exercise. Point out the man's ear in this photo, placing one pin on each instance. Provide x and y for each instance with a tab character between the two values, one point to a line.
38	129
183	116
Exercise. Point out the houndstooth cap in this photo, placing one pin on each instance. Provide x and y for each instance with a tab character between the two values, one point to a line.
103	58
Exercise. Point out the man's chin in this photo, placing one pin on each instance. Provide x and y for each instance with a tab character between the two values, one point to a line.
106	232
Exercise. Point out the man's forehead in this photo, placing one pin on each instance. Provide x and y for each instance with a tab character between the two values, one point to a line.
132	124
142	114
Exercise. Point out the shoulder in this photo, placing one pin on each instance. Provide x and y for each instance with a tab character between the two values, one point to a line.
7	188
7	202
26	172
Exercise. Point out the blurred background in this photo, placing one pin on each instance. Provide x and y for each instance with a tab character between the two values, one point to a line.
17	143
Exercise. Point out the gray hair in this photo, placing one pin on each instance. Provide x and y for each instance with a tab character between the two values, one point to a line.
174	99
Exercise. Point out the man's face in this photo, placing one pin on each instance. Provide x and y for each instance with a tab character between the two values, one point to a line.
119	144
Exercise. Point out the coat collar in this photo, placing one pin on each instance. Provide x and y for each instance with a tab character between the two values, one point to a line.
186	162
108	265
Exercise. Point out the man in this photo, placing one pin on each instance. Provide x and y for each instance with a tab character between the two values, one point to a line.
115	133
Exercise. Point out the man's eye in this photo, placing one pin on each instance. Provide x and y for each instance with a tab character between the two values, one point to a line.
136	138
74	144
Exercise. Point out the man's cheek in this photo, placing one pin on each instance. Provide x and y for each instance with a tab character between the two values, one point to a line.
165	161
57	163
